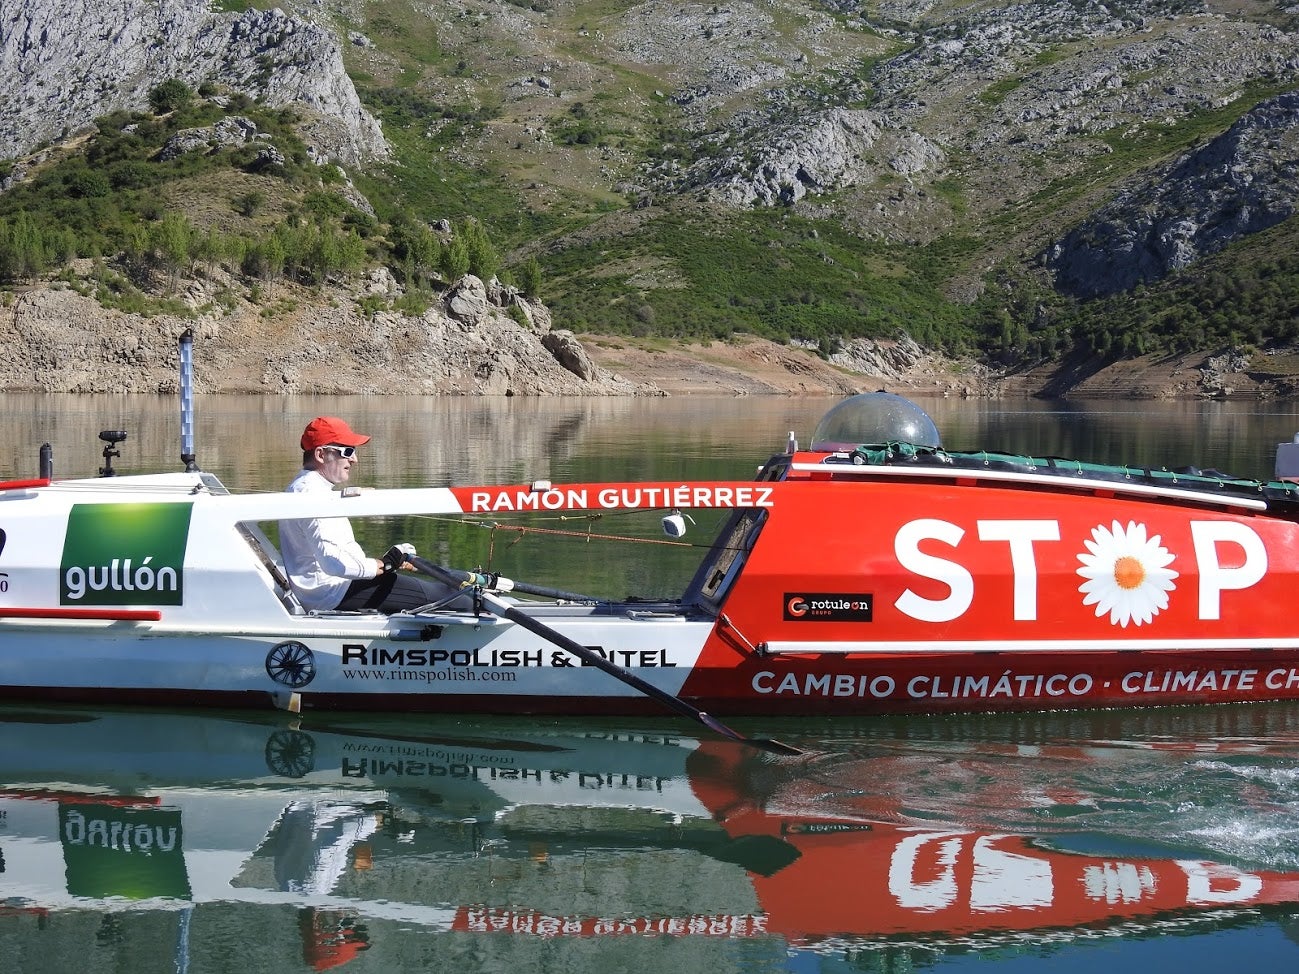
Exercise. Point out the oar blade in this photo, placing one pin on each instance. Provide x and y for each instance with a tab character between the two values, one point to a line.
766	744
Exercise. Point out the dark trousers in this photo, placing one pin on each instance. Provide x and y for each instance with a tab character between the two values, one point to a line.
398	591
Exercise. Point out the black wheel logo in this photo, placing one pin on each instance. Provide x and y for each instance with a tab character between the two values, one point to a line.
291	664
291	753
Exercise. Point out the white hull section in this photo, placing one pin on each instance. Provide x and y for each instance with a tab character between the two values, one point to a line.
354	656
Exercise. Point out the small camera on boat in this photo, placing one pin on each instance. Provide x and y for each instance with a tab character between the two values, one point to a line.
112	438
674	525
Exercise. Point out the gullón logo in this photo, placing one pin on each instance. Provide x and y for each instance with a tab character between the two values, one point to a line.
828	606
124	554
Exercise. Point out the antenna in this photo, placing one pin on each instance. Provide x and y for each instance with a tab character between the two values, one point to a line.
187	400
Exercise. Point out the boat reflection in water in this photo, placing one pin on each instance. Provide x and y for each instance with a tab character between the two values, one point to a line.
280	846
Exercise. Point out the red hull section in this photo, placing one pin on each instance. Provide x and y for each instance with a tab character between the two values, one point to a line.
995	682
858	590
948	568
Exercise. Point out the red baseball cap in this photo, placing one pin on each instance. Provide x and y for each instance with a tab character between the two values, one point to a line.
324	430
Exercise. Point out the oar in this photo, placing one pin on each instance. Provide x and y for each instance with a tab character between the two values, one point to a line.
498	607
527	588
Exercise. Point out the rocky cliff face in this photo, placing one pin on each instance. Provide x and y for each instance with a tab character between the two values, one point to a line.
1244	181
63	64
826	152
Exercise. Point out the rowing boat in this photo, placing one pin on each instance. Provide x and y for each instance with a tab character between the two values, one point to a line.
874	571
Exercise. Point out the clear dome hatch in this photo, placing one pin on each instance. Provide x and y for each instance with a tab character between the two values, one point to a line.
874	417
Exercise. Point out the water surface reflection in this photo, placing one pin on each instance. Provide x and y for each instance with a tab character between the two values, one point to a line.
412	843
251	441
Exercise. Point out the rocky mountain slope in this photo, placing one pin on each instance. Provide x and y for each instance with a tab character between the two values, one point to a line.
64	64
1073	146
1237	184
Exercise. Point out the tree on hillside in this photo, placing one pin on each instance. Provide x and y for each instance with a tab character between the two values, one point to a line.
530	278
453	262
172	241
171	95
484	262
416	249
24	251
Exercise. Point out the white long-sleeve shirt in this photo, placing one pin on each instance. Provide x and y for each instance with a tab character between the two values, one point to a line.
321	555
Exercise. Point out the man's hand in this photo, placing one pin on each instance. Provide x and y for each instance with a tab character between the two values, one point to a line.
396	556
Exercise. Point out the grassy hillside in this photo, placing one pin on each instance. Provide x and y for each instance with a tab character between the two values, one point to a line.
466	101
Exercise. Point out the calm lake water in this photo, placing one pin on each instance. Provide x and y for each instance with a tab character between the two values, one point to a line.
255	843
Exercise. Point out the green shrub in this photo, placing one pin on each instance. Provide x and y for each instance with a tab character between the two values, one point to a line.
530	278
250	204
172	95
87	184
25	248
453	260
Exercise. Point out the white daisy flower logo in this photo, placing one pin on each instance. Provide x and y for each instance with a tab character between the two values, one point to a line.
1127	573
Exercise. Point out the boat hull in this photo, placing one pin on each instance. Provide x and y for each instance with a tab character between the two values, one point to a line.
473	666
918	592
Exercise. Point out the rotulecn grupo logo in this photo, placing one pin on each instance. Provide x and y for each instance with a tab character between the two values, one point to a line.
124	554
828	606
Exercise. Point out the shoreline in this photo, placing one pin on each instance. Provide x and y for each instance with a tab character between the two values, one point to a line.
754	366
62	340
